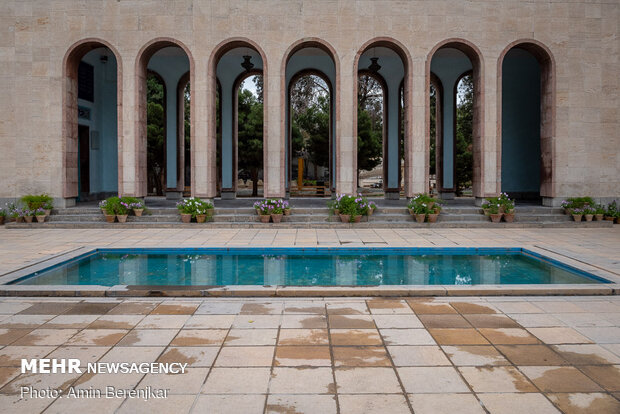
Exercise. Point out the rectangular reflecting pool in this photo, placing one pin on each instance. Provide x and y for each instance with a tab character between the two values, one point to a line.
309	267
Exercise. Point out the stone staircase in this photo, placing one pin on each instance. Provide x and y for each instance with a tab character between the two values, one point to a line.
314	216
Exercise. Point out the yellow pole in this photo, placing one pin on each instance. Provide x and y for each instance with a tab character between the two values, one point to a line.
300	173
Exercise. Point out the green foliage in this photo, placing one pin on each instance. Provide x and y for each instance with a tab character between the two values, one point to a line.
3	213
464	135
34	202
250	135
369	141
195	206
422	199
577	202
155	134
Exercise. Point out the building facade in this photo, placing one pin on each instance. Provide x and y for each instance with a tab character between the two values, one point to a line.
73	82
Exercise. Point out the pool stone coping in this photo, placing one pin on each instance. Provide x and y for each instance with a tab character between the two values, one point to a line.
612	288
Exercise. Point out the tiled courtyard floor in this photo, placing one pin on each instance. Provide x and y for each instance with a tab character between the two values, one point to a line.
497	355
333	355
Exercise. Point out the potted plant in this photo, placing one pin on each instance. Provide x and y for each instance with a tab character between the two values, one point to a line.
137	207
122	211
495	213
18	215
485	206
40	215
102	205
334	205
264	211
286	207
371	208
277	210
2	216
420	211
576	213
186	209
588	212
599	212
347	208
48	207
508	208
610	212
28	215
257	207
433	213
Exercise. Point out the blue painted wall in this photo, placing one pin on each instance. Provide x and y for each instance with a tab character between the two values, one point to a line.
520	122
104	121
449	64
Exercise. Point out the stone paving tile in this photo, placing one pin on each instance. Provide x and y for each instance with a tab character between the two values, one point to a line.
134	354
445	404
85	354
466	308
444	321
199	337
586	354
315	356
194	356
264	308
559	379
496	379
348	308
47	308
531	355
11	356
237	381
7	374
427	307
474	355
189	382
559	335
513	403
302	380
147	337
351	321
162	321
46	337
367	380
177	308
245	356
14	404
256	321
410	356
304	308
89	308
361	356
397	321
373	404
174	403
71	321
536	320
491	321
230	404
8	336
355	337
458	337
132	308
304	321
387	307
251	337
423	380
585	403
303	337
210	321
116	322
24	321
98	337
407	337
508	336
302	404
607	376
606	335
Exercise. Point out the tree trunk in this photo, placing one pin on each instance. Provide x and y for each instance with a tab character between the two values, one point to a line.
254	174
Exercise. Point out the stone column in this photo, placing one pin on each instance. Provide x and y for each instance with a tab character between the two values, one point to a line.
346	144
274	165
417	143
131	179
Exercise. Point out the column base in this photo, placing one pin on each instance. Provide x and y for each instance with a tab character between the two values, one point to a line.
228	195
64	202
174	195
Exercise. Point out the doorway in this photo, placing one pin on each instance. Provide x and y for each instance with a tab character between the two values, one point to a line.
84	162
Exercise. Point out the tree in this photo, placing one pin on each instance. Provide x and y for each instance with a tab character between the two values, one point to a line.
369	123
250	135
187	137
464	135
155	134
433	133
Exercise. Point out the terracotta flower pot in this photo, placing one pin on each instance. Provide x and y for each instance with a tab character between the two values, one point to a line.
257	211
40	219
411	211
276	218
138	212
186	218
201	218
47	212
486	212
496	218
609	218
110	218
287	211
122	218
589	217
576	217
336	212
345	218
598	217
264	218
420	218
28	219
432	218
357	218
370	211
1	220
21	219
509	217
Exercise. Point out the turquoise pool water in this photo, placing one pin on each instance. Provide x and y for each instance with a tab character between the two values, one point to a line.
309	267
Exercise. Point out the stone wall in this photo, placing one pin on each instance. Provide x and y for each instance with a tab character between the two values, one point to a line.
35	37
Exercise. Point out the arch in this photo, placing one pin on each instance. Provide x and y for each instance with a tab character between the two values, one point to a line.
289	143
405	57
546	60
70	63
474	54
213	85
142	59
331	52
